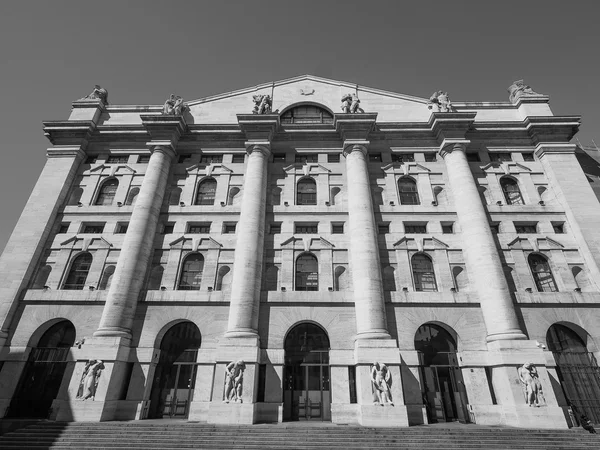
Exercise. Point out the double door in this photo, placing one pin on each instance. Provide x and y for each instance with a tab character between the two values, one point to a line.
176	383
444	394
307	394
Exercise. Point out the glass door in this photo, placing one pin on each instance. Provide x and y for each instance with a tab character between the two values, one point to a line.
179	391
308	392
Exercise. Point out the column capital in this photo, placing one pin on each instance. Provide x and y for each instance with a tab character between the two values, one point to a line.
555	149
352	145
449	145
263	147
164	130
165	147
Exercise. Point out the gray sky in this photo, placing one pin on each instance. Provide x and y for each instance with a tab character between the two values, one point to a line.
55	51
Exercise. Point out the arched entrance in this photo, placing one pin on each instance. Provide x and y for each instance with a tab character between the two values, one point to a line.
442	385
577	370
43	373
306	394
175	373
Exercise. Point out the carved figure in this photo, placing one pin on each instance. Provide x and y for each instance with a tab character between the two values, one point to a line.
351	104
519	89
234	380
174	106
98	93
381	382
440	102
262	104
89	379
532	386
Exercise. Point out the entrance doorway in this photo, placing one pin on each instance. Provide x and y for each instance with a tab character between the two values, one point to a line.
43	373
175	374
442	386
577	370
306	394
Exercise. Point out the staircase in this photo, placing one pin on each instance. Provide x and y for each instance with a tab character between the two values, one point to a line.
181	435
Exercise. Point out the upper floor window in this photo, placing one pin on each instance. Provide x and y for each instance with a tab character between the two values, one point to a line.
206	192
211	159
423	274
307	273
333	157
307	157
307	192
185	158
144	159
91	159
278	157
418	228
306	114
542	275
526	227
191	273
337	228
78	272
306	228
107	192
407	187
473	157
528	156
92	228
238	158
117	159
430	157
64	228
403	157
199	228
512	193
500	156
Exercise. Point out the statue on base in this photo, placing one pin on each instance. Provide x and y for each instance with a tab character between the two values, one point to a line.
234	381
519	89
89	380
381	382
262	104
440	102
174	106
532	386
97	94
351	104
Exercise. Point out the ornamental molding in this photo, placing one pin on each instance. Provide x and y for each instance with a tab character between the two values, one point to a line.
307	243
306	169
205	243
208	169
405	168
420	244
113	169
505	167
535	244
87	242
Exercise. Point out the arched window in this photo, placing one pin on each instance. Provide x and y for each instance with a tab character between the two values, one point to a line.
106	278
341	278
107	192
407	187
389	279
306	114
307	192
132	196
423	274
79	272
511	191
581	278
206	192
271	278
336	196
234	196
175	196
155	279
542	275
42	277
191	273
223	279
307	273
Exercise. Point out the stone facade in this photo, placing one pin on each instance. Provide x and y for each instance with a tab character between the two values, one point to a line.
386	227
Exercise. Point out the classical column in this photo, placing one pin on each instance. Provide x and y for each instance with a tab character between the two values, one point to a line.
479	248
247	263
364	249
130	272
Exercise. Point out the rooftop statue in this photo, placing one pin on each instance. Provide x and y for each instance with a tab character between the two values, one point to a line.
98	93
351	104
262	104
519	89
440	102
174	106
532	386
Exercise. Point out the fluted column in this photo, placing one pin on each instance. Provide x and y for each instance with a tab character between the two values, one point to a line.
479	248
130	272
364	249
247	263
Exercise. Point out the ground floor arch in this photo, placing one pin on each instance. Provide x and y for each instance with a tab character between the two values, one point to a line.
43	372
175	372
307	392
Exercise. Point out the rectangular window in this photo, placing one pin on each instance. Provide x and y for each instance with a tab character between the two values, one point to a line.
168	228
211	159
306	228
144	159
278	157
184	158
415	228
447	228
375	157
528	156
229	228
275	228
473	157
352	383
91	159
333	157
403	157
117	159
500	156
337	228
262	382
495	227
526	228
199	228
122	228
559	227
64	228
92	228
430	157
238	158
307	157
383	228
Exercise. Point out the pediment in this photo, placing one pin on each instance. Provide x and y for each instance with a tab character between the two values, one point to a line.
307	243
208	169
87	242
406	168
114	168
307	168
505	167
205	243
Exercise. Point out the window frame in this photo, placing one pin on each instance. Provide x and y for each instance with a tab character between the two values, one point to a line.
302	282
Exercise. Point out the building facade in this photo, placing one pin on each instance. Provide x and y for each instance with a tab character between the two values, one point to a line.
390	262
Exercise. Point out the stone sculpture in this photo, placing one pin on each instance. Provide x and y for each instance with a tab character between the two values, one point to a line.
351	104
97	94
532	386
440	102
381	382
234	381
262	104
174	106
89	379
519	89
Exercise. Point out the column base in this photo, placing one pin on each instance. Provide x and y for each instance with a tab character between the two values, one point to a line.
546	417
508	335
374	334
73	410
232	413
383	416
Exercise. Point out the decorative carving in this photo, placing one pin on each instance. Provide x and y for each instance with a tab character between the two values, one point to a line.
440	102
262	104
89	379
519	89
174	106
97	94
234	381
381	382
532	386
307	91
351	104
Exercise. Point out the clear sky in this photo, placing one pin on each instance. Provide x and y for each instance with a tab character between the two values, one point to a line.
53	52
